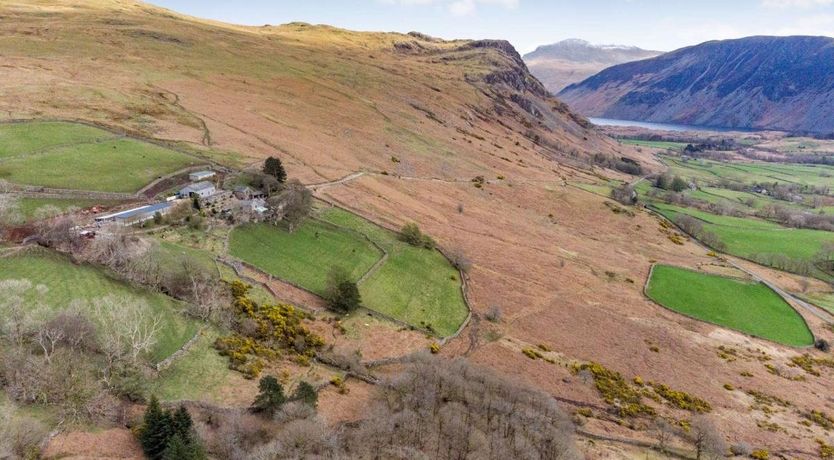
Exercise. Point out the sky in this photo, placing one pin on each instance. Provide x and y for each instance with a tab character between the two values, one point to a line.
661	25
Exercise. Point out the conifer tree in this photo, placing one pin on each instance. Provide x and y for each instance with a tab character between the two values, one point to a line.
271	396
273	167
306	394
156	430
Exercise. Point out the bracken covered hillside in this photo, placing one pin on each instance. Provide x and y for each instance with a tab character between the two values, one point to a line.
782	83
410	121
329	100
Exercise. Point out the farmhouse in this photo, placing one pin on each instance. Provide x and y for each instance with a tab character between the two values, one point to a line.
200	189
244	192
135	215
200	175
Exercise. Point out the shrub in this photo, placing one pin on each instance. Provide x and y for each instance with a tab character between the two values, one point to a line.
341	292
822	345
741	449
411	234
493	314
434	348
624	194
760	454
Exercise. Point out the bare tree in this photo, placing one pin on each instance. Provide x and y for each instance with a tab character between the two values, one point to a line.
21	304
19	434
707	440
663	432
292	205
9	209
127	328
459	259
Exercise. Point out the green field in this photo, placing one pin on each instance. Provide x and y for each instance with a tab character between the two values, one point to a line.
752	308
708	171
305	256
72	156
29	206
749	237
414	285
655	144
67	282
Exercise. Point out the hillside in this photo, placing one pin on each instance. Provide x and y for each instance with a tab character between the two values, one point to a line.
573	60
780	83
456	136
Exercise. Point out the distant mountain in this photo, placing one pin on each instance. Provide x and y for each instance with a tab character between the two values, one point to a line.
781	83
573	60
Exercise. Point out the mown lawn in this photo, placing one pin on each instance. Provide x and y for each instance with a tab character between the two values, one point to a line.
748	307
67	282
120	165
415	285
305	256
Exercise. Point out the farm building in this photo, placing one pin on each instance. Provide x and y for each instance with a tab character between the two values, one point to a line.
244	192
201	189
135	215
200	175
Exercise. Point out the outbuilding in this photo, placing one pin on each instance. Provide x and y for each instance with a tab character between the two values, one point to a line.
200	189
135	215
201	175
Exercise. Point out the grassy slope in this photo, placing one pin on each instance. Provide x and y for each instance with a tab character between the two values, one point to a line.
304	256
68	282
26	138
119	165
414	284
29	206
748	307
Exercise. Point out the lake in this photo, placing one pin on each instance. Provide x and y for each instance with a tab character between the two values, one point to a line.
659	126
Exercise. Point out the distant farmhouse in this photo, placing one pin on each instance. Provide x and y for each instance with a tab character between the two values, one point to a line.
135	215
200	175
199	189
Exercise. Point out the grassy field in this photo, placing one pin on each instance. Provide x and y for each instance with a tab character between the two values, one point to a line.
748	307
68	282
64	155
304	256
749	237
708	171
198	374
655	144
29	206
414	285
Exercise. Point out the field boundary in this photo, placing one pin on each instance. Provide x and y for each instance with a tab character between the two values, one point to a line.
746	334
464	286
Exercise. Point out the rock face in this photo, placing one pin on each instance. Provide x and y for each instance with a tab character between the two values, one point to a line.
781	83
573	60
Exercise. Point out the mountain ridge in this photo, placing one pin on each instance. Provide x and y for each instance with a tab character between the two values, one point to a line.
572	60
759	82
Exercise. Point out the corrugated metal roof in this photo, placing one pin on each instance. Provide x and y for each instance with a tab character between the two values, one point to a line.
149	209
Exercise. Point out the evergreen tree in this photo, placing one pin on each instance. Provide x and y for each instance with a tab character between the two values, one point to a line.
182	423
274	168
156	430
271	396
306	394
177	449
